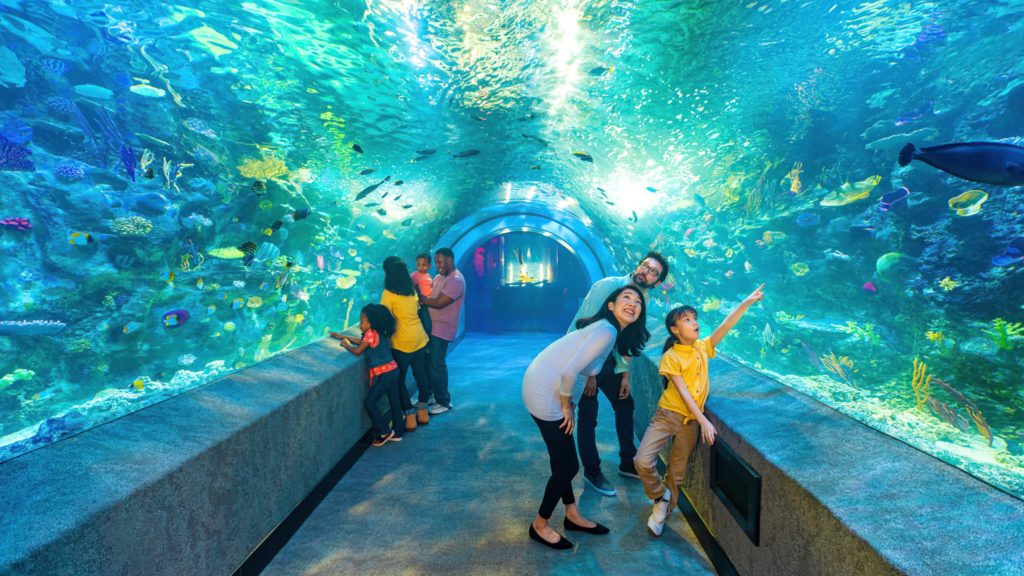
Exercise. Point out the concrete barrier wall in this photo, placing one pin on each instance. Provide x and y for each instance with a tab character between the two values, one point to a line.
837	497
187	486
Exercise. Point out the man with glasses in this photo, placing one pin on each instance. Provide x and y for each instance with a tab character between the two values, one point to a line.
613	380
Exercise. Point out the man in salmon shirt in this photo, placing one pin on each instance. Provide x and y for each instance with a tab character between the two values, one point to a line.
445	303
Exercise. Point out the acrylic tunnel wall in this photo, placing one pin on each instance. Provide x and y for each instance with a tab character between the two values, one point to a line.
186	190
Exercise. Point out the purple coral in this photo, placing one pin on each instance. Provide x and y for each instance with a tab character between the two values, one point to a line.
20	224
14	156
70	171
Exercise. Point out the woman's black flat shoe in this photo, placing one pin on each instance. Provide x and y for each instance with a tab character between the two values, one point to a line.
562	544
598	529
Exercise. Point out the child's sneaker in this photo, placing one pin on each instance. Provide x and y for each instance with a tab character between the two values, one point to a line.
659	513
654	526
395	438
382	439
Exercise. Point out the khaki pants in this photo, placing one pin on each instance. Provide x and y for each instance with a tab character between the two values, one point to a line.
665	424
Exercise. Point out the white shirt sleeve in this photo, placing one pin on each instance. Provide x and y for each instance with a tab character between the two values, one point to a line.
597	344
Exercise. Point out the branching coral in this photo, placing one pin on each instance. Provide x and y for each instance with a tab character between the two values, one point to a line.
1002	332
921	383
865	333
841	366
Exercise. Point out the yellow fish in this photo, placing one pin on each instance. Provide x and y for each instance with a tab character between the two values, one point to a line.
80	238
365	239
388	234
139	384
345	282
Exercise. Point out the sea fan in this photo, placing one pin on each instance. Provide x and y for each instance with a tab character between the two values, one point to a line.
14	157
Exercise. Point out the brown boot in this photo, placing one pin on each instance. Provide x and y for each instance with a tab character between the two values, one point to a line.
410	422
422	416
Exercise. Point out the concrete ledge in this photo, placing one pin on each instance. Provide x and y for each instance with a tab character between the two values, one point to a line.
838	497
187	486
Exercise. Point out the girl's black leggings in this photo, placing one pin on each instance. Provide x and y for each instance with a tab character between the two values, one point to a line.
564	466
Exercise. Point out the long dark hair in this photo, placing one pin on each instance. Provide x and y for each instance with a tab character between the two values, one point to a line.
396	277
630	340
670	321
380	319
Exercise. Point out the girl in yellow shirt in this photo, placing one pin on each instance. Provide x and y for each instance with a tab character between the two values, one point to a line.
680	413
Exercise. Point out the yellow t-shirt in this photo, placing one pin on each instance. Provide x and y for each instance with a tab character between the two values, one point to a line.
409	334
690	362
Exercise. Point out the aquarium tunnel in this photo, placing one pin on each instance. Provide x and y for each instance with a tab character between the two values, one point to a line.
200	201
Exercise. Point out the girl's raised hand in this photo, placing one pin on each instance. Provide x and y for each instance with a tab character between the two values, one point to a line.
756	296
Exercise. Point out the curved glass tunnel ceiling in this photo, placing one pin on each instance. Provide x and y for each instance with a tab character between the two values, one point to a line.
189	189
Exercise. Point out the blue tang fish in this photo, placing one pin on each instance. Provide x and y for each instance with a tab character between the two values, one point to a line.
986	162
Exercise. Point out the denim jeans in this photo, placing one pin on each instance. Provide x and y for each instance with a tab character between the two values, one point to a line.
418	361
386	383
439	370
608	383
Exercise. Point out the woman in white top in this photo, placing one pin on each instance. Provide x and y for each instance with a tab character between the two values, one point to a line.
553	384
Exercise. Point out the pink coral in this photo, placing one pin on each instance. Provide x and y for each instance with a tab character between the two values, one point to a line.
16	223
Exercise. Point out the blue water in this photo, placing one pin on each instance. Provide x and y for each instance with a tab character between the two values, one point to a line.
230	145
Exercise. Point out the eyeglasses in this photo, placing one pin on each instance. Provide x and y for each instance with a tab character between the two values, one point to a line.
647	269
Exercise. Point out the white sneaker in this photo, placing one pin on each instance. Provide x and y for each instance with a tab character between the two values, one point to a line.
438	409
654	526
660	511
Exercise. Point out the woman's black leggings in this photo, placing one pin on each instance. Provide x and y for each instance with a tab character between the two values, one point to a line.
418	361
564	466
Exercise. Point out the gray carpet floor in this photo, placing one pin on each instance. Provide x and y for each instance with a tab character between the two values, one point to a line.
457	496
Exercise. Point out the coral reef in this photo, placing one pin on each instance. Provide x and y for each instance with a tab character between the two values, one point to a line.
1003	332
921	383
131	226
70	171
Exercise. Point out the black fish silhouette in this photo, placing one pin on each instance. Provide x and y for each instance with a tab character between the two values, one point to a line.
357	148
583	156
466	154
367	171
368	190
987	162
426	152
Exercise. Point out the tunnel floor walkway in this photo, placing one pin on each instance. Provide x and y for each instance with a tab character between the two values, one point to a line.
457	496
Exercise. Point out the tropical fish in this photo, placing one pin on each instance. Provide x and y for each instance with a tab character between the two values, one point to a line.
130	327
148	174
466	153
227	253
364	239
248	247
849	193
583	156
372	205
426	152
80	238
915	114
768	336
259	187
175	318
406	206
601	70
169	277
893	198
357	148
652	189
987	162
301	214
382	212
969	203
276	225
237	303
399	183
367	171
1014	254
388	234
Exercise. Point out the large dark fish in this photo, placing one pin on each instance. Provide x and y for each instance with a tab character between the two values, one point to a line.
367	171
986	162
466	153
369	190
426	152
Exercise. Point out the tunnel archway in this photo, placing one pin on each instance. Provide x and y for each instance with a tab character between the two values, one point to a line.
568	233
